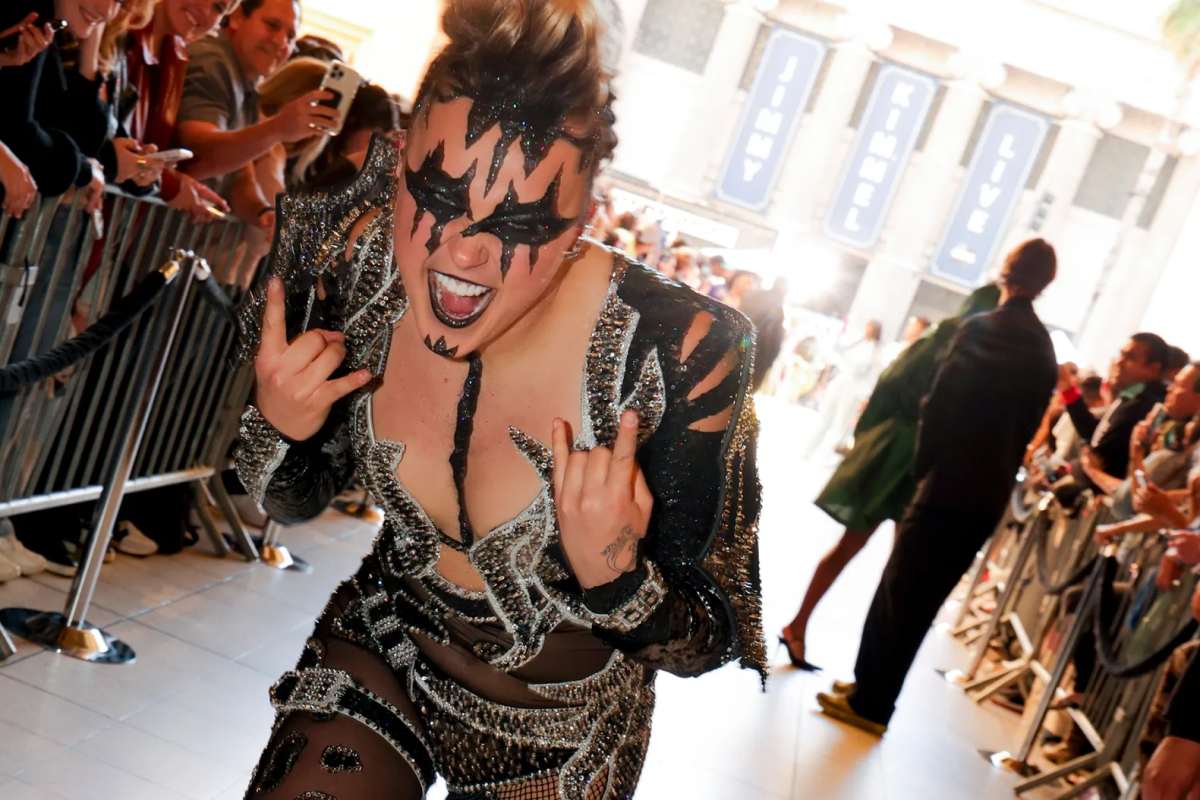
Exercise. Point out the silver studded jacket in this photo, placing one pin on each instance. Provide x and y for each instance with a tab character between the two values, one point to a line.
694	602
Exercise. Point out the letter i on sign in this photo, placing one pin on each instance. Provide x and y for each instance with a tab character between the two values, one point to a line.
789	71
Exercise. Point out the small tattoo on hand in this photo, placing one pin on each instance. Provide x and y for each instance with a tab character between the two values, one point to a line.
621	553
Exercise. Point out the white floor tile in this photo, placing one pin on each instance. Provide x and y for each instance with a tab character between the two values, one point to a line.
203	735
46	715
19	790
77	776
20	749
160	762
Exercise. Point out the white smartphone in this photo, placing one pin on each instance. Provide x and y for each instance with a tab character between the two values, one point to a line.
1140	477
170	156
342	82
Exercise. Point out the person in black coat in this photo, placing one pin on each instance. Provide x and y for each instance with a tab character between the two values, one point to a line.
54	120
1174	771
984	407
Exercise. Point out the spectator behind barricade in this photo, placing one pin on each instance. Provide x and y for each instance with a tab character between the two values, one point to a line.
1136	383
54	121
219	117
101	57
1177	359
17	187
1057	443
687	270
372	113
1173	773
649	245
318	47
913	330
764	307
151	62
738	286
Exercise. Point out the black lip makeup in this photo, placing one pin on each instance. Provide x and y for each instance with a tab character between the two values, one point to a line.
457	303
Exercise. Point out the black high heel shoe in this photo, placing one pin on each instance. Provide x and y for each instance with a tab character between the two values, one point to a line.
798	663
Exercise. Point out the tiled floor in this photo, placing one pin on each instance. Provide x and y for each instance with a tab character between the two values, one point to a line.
188	719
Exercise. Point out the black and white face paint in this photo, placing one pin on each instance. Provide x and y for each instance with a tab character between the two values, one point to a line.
483	244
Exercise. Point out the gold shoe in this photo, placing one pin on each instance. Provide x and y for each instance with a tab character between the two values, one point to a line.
843	687
838	707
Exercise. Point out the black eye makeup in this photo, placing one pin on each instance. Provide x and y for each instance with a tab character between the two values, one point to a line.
438	194
515	223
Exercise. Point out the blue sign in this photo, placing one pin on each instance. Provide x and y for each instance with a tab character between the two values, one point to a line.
1007	150
789	68
891	123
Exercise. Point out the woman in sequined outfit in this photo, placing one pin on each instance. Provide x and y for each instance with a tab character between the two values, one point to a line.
561	439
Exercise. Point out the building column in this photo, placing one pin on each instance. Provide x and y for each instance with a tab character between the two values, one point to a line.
919	213
1134	280
1068	161
818	150
701	144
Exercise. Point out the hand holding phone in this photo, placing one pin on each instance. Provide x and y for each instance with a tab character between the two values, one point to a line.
341	82
170	156
1140	477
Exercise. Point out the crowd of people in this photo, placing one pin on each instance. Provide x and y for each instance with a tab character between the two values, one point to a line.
115	95
932	428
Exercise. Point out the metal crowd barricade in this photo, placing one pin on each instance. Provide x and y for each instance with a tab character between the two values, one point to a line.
158	406
1142	628
1028	605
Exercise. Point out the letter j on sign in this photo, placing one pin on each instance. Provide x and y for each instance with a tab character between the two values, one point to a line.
782	85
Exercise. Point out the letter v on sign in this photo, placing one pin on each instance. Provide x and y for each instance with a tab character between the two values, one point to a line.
988	195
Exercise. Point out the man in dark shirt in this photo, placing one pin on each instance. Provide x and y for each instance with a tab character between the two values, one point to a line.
985	406
1174	771
218	116
1136	380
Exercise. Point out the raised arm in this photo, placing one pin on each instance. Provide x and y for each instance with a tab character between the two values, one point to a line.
692	601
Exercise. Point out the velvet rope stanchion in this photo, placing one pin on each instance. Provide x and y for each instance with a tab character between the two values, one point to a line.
100	334
1043	570
1102	619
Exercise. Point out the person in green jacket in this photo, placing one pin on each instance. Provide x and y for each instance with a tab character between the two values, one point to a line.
874	482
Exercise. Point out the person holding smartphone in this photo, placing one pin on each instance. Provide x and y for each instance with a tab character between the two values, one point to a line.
54	121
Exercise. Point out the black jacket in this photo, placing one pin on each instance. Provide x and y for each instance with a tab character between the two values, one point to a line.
1110	434
1184	713
986	403
53	119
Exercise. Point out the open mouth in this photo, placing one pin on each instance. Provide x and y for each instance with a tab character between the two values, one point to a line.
457	303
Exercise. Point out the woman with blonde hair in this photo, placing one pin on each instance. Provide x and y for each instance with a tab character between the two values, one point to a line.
561	439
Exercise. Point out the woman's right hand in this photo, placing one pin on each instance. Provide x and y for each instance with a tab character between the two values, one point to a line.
195	199
294	392
18	183
33	39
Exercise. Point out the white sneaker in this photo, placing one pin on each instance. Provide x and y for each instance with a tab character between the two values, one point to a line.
132	542
29	562
8	570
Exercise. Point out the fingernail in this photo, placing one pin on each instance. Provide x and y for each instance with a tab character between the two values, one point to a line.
556	425
363	377
629	419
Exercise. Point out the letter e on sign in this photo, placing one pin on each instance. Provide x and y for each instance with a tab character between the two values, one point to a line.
978	221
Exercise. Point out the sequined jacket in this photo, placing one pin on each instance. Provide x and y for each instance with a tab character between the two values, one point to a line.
694	602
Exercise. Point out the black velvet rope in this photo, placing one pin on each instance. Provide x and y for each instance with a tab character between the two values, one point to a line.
212	294
1043	571
1102	619
100	334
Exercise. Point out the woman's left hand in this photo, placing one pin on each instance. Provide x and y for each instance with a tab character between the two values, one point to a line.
603	504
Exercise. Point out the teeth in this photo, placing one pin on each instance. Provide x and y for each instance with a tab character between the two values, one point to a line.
460	288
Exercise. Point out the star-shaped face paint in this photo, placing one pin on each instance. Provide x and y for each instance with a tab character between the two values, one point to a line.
438	194
515	223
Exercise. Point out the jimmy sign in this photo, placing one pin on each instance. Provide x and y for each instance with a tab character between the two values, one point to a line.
892	121
789	68
1007	150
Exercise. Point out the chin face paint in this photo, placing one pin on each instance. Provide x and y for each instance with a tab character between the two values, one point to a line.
440	347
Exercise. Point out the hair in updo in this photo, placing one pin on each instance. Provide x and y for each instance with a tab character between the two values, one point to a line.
543	57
